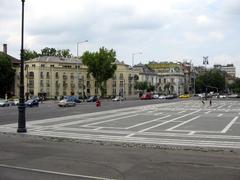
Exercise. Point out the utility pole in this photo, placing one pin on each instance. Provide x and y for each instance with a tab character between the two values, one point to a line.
21	106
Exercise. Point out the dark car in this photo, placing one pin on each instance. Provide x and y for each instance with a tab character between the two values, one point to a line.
92	99
73	99
31	103
146	96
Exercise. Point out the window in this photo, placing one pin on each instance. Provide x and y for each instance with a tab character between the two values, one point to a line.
121	75
42	65
41	74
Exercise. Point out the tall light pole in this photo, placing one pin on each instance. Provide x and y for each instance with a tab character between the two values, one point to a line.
21	106
205	62
133	54
79	68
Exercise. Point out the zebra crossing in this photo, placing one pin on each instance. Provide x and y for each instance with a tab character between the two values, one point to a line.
185	123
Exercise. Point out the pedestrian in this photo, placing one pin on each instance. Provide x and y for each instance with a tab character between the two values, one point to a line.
203	102
210	102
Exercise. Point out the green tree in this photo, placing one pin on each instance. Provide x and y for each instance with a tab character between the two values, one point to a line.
212	80
64	53
48	51
101	65
29	54
235	86
6	74
142	86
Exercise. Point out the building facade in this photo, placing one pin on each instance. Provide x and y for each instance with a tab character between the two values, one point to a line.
230	69
52	77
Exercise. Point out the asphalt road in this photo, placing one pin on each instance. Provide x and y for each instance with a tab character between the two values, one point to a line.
50	109
27	157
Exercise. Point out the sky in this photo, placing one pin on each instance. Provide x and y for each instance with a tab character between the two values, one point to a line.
173	30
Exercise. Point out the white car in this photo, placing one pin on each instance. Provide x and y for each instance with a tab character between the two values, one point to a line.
118	98
4	103
66	103
222	96
162	97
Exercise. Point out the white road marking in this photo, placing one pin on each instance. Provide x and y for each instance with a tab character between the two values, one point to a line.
191	132
146	122
158	113
229	125
98	128
110	120
185	122
219	115
54	172
181	112
143	130
207	112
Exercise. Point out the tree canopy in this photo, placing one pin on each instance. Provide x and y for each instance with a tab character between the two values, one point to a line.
7	74
213	80
101	65
31	54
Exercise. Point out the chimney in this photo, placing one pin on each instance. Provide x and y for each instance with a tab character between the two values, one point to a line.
5	48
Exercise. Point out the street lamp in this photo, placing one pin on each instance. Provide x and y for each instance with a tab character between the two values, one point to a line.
80	43
133	54
21	106
205	62
78	69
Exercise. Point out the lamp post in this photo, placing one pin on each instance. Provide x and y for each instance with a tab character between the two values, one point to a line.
78	68
205	62
133	54
21	106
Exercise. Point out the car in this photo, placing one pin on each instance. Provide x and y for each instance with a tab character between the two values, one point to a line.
233	96
15	102
118	98
155	96
31	103
73	98
92	99
146	96
66	103
4	103
222	96
184	96
170	96
162	97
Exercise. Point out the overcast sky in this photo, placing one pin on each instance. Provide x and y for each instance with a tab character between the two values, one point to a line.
162	30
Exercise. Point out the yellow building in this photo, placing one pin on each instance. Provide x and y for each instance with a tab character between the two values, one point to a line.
53	76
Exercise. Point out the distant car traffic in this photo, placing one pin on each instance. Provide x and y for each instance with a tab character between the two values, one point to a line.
92	99
66	103
184	96
31	103
162	97
4	103
170	96
146	96
73	98
118	98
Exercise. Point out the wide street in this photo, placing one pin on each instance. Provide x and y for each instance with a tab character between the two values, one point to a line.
153	140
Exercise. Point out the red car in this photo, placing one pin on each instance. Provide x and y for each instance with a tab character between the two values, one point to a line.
146	96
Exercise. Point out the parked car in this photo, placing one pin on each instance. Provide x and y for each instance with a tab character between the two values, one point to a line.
222	96
66	103
31	103
146	96
118	98
170	96
162	97
73	98
184	96
4	103
155	96
15	102
233	96
92	99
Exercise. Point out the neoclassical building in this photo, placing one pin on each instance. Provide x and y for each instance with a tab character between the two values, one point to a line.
53	76
171	77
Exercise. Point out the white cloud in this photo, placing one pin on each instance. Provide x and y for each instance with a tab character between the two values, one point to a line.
166	30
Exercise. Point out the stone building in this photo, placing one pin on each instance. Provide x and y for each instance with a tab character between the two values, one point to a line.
53	76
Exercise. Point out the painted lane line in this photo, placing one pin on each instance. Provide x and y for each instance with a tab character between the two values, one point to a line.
181	112
110	120
207	112
192	133
98	128
146	122
53	172
181	142
158	113
185	122
143	130
219	115
229	125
